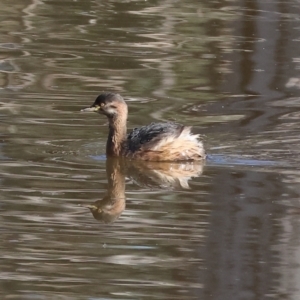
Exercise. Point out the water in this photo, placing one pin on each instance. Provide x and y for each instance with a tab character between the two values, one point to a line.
76	226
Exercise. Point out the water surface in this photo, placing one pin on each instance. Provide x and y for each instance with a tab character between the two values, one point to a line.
226	230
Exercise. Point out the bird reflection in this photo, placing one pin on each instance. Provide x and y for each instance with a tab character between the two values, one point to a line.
150	175
112	205
163	175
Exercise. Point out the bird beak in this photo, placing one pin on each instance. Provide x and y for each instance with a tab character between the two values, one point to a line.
91	109
91	207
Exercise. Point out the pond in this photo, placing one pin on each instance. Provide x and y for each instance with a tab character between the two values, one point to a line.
75	225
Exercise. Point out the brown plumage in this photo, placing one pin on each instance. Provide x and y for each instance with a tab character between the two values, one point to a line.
154	142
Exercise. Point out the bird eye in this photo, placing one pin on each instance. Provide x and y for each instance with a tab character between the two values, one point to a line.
102	104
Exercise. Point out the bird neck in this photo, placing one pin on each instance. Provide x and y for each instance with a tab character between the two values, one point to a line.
116	136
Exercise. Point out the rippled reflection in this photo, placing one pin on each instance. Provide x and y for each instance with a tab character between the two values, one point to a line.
111	206
151	175
164	175
230	69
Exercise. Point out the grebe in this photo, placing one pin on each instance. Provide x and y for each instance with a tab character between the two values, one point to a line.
154	142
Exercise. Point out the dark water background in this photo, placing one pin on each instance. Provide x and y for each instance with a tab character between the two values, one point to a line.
231	69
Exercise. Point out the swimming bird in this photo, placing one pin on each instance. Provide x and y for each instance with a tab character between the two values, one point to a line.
161	141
